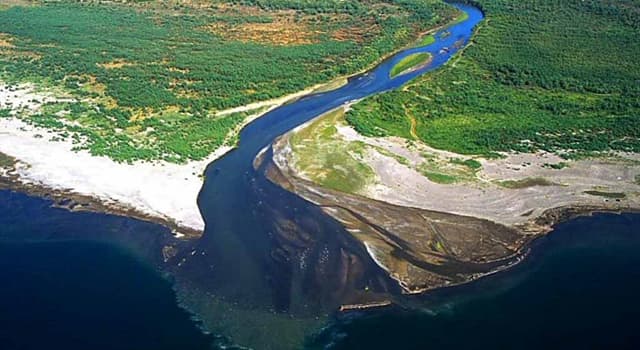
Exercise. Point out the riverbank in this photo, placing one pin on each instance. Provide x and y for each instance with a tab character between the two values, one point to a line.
47	165
41	163
38	162
443	211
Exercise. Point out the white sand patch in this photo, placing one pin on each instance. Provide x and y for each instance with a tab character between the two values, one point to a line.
479	194
401	185
160	189
25	97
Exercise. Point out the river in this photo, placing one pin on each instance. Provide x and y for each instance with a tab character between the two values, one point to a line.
270	268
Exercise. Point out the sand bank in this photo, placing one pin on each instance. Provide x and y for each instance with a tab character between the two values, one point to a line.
158	191
163	190
513	190
473	219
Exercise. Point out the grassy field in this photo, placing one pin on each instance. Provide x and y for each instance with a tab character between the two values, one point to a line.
141	68
559	76
408	63
328	160
526	183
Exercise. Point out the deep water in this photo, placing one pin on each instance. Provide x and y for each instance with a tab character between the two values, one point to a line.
65	287
578	289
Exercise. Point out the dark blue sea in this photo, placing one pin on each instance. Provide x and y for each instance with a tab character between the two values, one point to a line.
64	287
578	289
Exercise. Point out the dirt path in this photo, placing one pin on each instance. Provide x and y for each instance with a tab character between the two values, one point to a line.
414	123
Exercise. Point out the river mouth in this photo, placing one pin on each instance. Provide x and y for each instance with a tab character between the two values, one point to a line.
270	262
577	288
269	251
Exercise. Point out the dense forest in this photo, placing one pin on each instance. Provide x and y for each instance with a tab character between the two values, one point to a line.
146	65
560	76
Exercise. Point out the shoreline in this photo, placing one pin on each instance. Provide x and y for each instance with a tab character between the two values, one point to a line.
364	217
77	202
164	192
566	215
82	187
538	228
159	192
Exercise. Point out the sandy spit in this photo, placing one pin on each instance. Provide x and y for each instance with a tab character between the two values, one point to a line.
164	190
158	190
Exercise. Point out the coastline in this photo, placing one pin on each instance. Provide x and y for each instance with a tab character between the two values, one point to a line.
396	219
537	228
160	192
167	193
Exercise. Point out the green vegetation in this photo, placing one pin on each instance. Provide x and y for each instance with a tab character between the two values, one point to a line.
612	195
557	166
461	18
470	163
328	160
150	76
444	170
409	63
440	178
559	76
427	40
525	183
398	158
6	161
454	171
637	179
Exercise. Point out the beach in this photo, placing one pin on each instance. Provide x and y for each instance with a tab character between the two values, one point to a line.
160	189
157	191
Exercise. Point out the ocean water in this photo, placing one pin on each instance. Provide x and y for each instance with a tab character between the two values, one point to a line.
84	295
65	287
579	289
68	281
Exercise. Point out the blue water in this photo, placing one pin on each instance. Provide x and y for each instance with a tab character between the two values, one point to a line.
578	290
79	280
236	200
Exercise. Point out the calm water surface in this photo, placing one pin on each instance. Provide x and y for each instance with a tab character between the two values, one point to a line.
578	289
77	281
